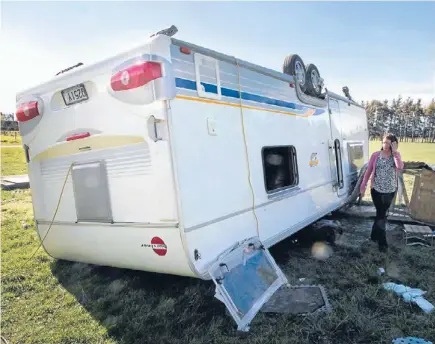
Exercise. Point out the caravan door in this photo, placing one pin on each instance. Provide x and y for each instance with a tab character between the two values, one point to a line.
336	147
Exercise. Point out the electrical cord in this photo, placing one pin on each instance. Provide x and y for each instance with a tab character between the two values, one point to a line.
52	220
246	148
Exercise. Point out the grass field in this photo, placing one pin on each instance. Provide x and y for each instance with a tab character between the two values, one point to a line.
51	302
11	138
13	161
411	151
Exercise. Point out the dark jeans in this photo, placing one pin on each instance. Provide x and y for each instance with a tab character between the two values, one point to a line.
382	202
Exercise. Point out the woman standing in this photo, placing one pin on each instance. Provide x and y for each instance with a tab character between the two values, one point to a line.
383	168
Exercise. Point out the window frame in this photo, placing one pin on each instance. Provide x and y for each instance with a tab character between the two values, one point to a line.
198	58
351	148
293	166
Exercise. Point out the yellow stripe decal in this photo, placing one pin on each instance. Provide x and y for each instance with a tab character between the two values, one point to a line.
68	148
309	113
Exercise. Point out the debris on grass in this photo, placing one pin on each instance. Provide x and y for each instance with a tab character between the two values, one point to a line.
90	307
413	295
322	230
410	340
332	224
300	299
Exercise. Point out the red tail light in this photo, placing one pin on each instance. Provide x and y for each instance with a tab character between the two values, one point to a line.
78	136
185	50
25	112
136	76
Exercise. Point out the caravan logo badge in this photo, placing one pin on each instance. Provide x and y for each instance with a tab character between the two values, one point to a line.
313	160
158	246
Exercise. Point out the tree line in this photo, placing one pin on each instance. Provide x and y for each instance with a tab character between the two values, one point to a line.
407	118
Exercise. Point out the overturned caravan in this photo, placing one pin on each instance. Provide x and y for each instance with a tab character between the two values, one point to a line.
176	159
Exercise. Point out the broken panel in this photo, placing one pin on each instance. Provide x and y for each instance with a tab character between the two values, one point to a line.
246	277
299	299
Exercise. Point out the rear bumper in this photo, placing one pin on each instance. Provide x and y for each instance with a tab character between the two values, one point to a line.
147	247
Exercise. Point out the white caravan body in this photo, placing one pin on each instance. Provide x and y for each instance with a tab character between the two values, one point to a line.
169	157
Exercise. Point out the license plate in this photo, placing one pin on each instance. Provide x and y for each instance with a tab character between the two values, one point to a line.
75	94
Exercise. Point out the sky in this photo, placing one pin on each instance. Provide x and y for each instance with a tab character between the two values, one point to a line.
378	49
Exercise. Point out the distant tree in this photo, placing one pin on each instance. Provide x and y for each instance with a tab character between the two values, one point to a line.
378	114
429	112
396	117
408	119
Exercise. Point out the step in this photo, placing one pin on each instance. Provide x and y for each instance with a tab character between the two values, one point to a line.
15	182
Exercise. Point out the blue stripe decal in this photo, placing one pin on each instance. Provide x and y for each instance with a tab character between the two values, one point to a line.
184	83
230	93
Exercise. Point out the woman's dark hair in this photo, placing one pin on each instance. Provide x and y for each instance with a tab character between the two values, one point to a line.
391	137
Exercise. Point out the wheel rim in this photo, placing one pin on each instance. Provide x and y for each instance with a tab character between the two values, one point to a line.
300	73
315	80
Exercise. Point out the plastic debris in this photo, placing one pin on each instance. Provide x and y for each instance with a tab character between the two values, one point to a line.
327	223
299	299
410	340
413	295
381	271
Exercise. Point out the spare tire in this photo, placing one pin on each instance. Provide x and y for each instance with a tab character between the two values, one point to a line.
314	83
293	65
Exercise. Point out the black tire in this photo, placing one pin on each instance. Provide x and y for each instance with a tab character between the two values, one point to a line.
289	68
312	88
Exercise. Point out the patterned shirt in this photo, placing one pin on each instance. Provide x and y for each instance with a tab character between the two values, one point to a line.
385	175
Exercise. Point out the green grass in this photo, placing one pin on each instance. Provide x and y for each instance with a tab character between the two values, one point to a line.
10	138
411	151
49	301
13	161
35	306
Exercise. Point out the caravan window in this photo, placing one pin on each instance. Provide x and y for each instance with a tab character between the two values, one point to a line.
207	76
280	168
356	156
